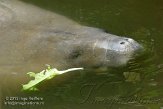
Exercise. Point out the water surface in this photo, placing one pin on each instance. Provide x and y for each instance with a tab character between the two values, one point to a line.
138	85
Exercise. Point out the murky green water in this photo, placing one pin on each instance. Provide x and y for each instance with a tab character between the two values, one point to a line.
139	85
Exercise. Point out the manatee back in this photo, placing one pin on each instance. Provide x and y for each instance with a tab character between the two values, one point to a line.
6	15
28	14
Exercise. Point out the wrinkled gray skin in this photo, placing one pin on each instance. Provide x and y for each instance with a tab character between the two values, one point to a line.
31	37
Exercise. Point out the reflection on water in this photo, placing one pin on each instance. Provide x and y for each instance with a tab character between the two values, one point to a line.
135	86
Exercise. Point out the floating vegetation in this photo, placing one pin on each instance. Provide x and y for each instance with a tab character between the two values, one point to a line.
44	75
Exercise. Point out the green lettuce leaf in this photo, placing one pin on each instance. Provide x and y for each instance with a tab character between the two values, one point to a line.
44	75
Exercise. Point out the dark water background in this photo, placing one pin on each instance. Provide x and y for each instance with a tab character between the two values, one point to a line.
139	85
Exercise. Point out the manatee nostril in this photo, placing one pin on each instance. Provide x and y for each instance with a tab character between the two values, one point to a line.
122	43
126	39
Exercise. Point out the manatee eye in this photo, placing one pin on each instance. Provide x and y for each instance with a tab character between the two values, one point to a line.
122	43
75	54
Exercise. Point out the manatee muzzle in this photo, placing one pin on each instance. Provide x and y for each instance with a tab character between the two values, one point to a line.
117	51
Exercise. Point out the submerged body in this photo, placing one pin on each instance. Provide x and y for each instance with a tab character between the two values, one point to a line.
31	37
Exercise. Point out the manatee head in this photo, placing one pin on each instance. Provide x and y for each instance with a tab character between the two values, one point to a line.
97	48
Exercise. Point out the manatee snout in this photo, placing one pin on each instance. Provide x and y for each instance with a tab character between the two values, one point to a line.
124	45
116	51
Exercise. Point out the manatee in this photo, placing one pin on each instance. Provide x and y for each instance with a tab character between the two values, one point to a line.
31	37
